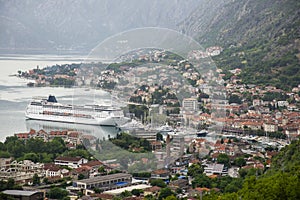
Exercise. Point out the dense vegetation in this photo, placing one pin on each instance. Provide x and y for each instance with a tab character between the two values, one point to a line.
129	160
37	150
281	181
260	37
131	143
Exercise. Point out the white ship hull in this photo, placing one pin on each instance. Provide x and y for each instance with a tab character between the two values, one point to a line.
49	110
54	118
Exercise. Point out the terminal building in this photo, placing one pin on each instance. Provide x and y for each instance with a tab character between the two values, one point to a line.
107	182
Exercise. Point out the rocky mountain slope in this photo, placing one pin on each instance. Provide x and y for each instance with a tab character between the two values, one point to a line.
80	25
260	37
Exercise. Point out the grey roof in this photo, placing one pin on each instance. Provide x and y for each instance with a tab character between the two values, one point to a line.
215	167
104	178
19	192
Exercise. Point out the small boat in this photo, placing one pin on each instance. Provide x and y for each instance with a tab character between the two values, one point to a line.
202	133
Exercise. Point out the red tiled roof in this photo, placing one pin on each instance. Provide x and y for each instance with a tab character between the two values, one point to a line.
160	171
32	131
152	189
202	189
22	135
82	169
103	196
51	167
93	163
73	134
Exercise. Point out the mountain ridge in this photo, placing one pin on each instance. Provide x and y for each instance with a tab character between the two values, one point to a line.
260	37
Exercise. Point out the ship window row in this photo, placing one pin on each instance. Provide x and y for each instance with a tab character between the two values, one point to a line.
67	114
36	103
58	107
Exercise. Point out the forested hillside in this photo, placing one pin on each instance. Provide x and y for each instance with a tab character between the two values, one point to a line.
281	181
260	37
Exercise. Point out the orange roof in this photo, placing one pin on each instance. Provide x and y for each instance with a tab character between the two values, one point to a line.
22	135
83	169
93	163
73	134
202	189
32	131
213	176
160	171
252	123
152	189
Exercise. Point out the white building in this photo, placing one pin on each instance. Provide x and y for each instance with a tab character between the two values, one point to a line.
190	104
215	169
270	127
72	162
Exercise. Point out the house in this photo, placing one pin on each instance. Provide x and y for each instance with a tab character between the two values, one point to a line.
52	170
199	192
152	191
94	165
72	162
42	135
62	134
270	127
217	169
22	171
156	145
83	170
160	174
73	137
103	196
180	183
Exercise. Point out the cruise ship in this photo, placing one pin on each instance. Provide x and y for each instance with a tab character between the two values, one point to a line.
49	109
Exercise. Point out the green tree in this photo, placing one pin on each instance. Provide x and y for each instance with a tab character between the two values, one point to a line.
240	161
46	180
125	194
159	137
15	147
234	99
98	190
164	193
4	154
158	182
5	197
195	169
31	156
101	169
81	176
136	192
36	180
201	181
57	193
56	146
35	145
172	197
223	159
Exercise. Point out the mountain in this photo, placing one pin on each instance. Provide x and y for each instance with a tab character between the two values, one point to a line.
260	37
47	25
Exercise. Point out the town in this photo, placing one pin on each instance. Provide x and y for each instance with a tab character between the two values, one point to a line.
177	155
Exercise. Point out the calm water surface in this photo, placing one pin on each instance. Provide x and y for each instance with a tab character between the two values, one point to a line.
15	95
